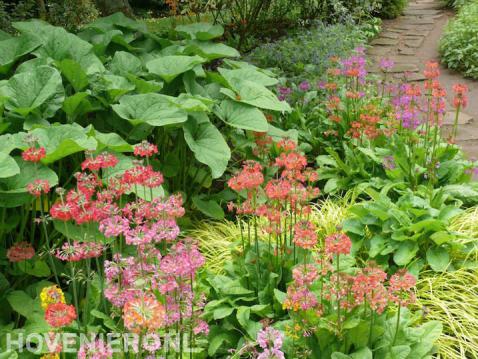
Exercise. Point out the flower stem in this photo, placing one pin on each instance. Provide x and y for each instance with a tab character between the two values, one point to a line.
397	326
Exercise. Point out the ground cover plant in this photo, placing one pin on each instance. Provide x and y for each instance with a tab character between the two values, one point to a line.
458	44
304	55
345	203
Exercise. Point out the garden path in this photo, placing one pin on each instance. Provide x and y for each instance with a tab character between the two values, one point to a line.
411	40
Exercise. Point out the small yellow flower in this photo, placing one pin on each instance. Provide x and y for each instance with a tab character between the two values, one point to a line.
51	295
50	356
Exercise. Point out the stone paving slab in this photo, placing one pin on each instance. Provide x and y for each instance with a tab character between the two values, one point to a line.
406	51
419	21
385	42
427	6
413	42
405	26
410	41
390	35
416	11
463	118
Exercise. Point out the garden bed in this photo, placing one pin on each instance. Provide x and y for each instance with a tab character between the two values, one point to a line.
162	197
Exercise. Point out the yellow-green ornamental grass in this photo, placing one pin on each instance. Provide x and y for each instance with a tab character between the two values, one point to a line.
452	297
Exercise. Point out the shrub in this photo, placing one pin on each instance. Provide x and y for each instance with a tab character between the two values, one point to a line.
459	44
390	9
305	54
71	14
10	12
455	3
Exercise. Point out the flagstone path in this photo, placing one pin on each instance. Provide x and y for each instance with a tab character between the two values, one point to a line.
411	40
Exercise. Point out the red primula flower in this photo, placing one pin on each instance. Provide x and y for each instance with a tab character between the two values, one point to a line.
460	99
249	178
62	211
338	243
34	154
145	149
60	314
37	187
20	251
103	160
305	235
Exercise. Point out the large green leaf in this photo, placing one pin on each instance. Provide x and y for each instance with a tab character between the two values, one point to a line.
63	140
211	50
145	86
13	49
277	134
101	40
242	116
39	91
169	67
254	94
153	109
193	103
429	333
23	304
73	73
201	30
117	21
59	44
438	258
77	105
8	166
9	142
247	73
111	141
124	63
13	190
209	207
114	85
208	145
405	253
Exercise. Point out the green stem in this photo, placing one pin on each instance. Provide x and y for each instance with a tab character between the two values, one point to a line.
338	297
47	241
370	334
397	326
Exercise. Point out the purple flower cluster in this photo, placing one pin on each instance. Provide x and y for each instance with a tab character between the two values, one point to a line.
386	64
270	340
407	102
284	92
389	163
354	66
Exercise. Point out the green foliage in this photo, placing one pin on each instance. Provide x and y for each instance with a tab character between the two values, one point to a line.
455	3
459	43
390	9
122	79
411	231
15	11
305	54
71	14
